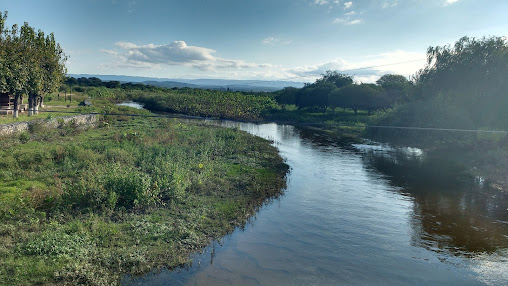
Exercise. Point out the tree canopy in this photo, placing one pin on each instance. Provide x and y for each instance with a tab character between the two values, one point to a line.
462	86
31	62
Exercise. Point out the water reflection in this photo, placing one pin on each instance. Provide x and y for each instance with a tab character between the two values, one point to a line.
451	211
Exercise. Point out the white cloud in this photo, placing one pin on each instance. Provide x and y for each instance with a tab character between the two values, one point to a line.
348	5
450	2
355	22
352	13
321	2
389	4
347	21
274	40
330	3
176	53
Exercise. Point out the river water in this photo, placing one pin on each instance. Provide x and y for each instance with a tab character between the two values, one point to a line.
359	214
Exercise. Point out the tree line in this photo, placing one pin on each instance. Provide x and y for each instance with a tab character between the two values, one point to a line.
31	63
337	90
97	82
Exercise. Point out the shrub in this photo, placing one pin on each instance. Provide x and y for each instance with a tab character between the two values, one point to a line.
108	187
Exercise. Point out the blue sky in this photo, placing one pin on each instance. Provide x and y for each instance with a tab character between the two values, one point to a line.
255	39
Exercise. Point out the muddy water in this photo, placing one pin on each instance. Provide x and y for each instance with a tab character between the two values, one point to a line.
360	214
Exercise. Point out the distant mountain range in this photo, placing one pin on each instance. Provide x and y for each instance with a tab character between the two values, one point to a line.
221	84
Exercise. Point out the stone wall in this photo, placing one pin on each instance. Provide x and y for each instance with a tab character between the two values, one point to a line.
78	120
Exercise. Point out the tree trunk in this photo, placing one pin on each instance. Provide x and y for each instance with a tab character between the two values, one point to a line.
30	105
355	110
38	101
16	106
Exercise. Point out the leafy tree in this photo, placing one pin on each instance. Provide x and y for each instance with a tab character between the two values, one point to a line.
315	95
71	80
398	88
470	75
359	96
287	96
462	86
336	78
112	84
15	63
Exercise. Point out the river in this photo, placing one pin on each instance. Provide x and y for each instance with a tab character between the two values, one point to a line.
359	214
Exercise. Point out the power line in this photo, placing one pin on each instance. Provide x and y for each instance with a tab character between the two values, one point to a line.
369	67
180	116
412	61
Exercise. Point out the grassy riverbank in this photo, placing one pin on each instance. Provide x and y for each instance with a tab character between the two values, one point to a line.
124	198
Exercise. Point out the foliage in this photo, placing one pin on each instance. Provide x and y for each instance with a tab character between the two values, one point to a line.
32	63
462	86
362	96
286	96
315	95
338	79
397	88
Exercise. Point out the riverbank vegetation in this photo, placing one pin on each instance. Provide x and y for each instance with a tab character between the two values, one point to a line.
130	196
462	87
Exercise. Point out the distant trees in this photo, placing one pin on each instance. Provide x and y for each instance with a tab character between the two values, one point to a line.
97	82
336	90
31	63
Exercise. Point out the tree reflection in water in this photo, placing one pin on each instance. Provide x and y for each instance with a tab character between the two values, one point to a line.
453	211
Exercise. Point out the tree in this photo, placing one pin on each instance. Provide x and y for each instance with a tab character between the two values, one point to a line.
315	95
469	76
470	63
336	78
31	64
112	84
15	63
359	96
397	88
287	96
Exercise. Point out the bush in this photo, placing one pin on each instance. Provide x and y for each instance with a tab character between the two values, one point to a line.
107	188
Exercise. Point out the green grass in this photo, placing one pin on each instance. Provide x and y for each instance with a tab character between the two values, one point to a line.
128	197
